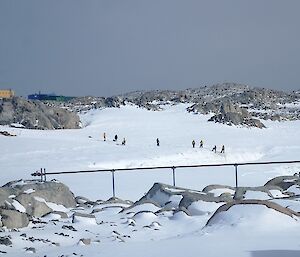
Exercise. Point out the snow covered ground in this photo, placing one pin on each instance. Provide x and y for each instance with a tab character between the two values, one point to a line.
84	149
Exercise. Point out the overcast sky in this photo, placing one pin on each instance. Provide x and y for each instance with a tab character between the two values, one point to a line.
107	47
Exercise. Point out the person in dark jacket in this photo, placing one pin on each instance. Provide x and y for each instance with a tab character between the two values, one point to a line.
223	149
124	141
193	143
157	141
201	144
116	138
214	149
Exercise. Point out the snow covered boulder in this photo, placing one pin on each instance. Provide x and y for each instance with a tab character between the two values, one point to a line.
21	200
171	198
252	213
50	191
220	190
13	219
162	195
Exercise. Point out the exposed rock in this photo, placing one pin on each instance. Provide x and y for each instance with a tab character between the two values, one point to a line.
30	249
284	182
54	192
34	207
85	241
31	197
160	194
248	104
234	115
13	219
36	115
4	196
5	240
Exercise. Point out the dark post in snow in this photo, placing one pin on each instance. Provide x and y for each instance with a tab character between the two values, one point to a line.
113	182
236	175
45	178
173	171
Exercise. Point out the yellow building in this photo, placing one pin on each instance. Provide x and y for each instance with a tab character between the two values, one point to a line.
6	93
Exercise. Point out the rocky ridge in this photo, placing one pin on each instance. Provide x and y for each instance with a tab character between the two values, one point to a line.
227	103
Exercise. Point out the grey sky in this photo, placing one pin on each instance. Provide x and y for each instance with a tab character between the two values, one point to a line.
106	47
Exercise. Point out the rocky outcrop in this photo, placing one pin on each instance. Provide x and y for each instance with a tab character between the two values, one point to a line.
228	103
21	200
234	115
36	115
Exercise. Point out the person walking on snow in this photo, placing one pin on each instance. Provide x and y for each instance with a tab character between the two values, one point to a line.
223	149
116	138
157	141
124	141
214	149
104	136
193	143
201	144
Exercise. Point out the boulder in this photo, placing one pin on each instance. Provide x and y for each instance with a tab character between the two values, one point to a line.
54	192
271	205
5	240
34	207
13	219
33	199
284	182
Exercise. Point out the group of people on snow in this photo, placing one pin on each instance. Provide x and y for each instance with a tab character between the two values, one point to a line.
115	138
214	149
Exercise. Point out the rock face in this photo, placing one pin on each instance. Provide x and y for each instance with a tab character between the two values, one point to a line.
36	115
234	115
21	200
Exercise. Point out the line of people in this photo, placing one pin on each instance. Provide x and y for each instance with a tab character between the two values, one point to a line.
214	149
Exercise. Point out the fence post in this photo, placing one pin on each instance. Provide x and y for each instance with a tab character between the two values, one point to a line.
113	182
173	171
41	174
236	175
45	178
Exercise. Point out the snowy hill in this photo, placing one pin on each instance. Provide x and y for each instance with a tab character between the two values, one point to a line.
179	234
